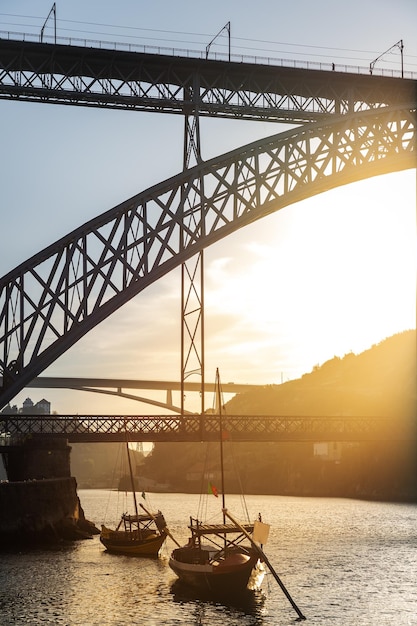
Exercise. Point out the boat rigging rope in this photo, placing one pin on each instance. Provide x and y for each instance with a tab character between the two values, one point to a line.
113	481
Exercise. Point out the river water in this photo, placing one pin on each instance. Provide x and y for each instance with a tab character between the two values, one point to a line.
344	563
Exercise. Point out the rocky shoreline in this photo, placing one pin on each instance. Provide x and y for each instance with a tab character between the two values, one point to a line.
42	511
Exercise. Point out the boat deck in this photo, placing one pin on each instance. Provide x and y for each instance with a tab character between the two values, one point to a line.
216	529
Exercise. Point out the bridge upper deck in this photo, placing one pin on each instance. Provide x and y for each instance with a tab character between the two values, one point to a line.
91	76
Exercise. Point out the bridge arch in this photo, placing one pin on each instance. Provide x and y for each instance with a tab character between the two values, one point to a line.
69	287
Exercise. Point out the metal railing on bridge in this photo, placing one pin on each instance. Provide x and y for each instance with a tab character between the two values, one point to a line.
258	59
178	428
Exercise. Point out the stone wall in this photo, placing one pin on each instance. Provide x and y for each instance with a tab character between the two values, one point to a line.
41	510
39	501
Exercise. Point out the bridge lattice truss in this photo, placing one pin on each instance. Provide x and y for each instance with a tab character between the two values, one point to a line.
196	428
52	300
99	77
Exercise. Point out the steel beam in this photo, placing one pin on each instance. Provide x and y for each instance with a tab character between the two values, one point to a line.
192	270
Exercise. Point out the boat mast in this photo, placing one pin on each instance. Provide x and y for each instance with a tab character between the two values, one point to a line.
219	405
132	482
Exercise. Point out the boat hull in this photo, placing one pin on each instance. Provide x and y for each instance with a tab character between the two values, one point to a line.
120	542
226	578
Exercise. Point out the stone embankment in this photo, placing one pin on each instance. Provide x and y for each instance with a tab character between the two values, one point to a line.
38	511
39	501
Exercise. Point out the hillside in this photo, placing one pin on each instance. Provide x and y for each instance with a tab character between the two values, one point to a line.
379	381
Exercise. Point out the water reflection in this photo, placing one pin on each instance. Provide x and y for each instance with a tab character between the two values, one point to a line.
249	604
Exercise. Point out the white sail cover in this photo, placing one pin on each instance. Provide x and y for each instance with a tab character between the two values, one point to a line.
260	532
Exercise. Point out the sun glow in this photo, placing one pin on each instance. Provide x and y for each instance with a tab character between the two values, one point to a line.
331	275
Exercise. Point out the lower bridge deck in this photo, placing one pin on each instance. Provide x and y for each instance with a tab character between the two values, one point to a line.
15	429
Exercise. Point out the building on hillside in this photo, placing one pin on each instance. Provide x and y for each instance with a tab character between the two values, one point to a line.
43	407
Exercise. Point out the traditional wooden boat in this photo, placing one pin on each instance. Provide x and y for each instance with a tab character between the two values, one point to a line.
136	535
215	561
218	558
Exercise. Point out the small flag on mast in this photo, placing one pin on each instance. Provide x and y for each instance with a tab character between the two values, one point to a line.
212	489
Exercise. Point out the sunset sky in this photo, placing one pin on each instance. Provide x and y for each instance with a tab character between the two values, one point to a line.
330	275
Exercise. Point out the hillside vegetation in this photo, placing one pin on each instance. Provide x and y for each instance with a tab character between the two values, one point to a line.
378	382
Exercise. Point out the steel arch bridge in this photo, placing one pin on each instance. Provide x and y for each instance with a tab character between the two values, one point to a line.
354	126
53	299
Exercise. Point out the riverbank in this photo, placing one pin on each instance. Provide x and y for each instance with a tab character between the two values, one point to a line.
42	511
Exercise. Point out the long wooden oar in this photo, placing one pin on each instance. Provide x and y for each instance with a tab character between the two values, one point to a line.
266	560
168	532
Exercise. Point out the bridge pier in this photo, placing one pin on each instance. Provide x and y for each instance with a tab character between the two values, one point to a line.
38	459
39	501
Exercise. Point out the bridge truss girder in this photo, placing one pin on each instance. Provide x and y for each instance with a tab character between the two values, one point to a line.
176	428
74	75
53	299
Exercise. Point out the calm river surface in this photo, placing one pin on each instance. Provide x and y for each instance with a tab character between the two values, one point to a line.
344	562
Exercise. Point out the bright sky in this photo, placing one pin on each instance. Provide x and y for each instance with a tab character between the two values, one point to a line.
330	275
